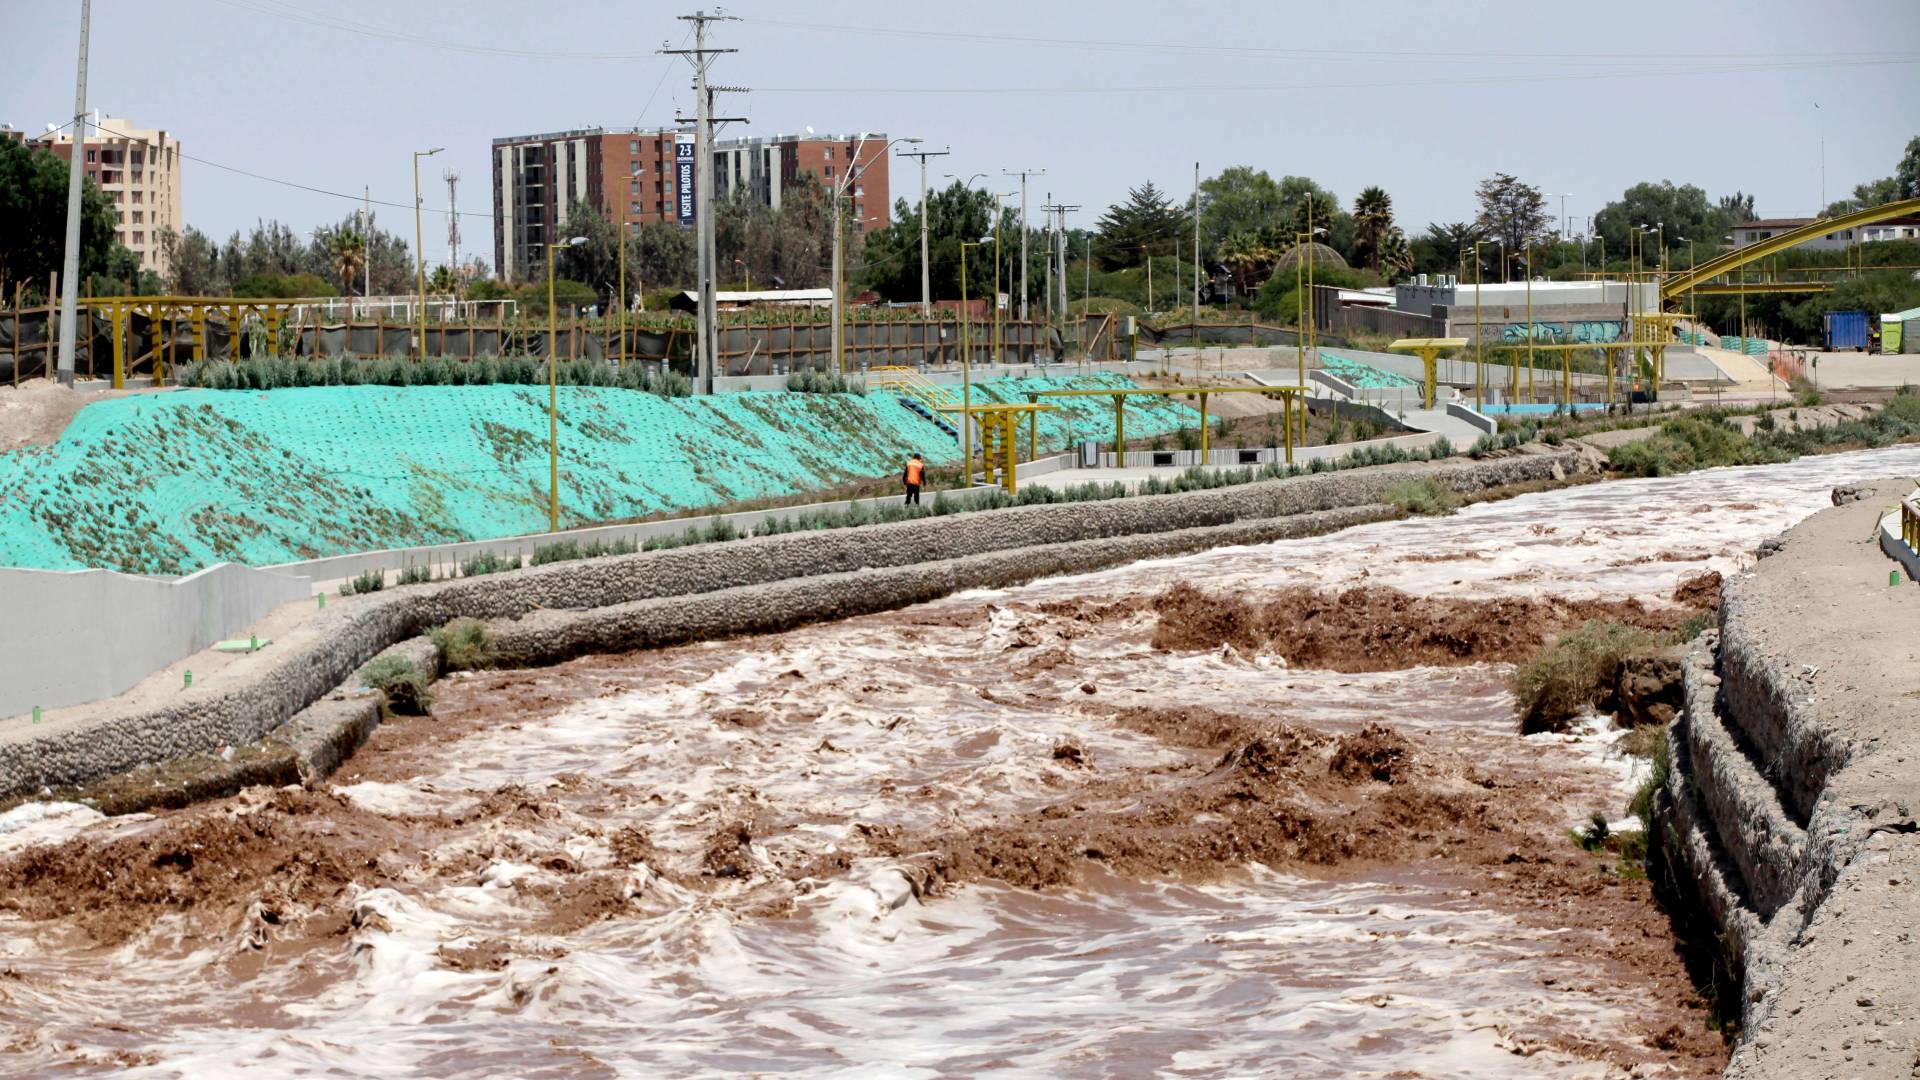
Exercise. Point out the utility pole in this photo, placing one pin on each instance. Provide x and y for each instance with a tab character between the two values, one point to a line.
698	57
70	267
1060	251
1196	251
453	227
366	242
1023	174
926	299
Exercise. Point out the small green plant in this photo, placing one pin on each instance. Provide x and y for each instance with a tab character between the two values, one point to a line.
1482	446
559	551
404	685
1423	496
811	381
416	574
367	581
488	562
463	644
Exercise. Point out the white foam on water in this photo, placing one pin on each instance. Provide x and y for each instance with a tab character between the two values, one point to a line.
912	724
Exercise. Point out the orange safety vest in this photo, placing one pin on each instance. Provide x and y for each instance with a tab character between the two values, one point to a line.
914	470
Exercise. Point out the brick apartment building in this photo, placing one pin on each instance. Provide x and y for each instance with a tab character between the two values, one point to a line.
628	175
139	170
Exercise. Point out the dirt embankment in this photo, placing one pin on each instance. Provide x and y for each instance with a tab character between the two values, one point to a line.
1382	629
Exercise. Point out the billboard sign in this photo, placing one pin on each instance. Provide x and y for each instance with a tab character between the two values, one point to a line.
683	177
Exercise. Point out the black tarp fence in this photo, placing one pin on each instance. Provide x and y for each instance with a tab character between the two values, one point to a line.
744	349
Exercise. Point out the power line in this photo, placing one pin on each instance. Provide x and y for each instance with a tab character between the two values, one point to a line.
1314	53
295	14
1216	90
362	198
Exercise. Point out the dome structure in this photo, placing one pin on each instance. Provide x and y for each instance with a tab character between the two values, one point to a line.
1321	254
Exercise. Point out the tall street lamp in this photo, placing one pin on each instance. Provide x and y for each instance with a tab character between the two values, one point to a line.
1477	404
840	190
1302	242
553	392
966	363
926	301
420	253
998	343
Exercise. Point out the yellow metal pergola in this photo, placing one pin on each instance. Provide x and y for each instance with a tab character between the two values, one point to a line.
1291	397
194	311
1428	350
1000	436
1566	362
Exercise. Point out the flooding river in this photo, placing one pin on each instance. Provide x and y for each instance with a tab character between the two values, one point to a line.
709	860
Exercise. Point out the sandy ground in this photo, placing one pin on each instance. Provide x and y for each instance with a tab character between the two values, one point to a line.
1840	370
1851	1005
37	411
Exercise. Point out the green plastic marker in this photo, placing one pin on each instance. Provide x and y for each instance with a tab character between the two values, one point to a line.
322	597
189	681
36	714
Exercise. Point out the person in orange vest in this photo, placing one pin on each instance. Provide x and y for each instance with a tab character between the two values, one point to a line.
915	475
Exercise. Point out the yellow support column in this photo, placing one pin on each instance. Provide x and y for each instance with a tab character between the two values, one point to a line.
1012	423
1203	429
117	313
198	320
1119	431
1286	407
1033	436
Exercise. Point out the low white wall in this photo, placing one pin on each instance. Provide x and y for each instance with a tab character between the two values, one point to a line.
1462	412
80	635
392	560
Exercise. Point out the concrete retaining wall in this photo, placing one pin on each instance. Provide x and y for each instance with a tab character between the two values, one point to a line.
353	630
83	635
1788	803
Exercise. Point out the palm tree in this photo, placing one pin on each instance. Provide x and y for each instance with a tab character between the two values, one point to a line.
1372	220
1396	258
1245	256
349	253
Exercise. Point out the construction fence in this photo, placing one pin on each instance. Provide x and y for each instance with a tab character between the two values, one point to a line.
155	339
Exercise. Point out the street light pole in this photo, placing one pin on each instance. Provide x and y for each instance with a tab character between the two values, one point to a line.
839	190
553	395
926	288
420	256
1022	174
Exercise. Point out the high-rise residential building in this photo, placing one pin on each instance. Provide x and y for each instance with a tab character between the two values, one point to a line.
629	176
139	170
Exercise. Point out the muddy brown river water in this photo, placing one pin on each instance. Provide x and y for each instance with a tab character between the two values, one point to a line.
1000	834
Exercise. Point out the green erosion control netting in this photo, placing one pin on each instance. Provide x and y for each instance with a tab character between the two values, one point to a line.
1363	376
172	482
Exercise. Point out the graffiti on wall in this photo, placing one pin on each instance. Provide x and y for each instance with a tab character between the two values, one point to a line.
1585	332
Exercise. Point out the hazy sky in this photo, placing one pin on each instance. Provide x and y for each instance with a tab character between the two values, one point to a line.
1424	99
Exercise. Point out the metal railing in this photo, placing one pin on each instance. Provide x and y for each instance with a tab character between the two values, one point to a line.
906	381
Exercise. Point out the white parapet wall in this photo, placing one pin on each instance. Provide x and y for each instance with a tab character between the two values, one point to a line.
81	635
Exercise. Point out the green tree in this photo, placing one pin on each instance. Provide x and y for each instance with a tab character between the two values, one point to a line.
1146	224
1438	252
33	217
955	214
1372	220
1906	175
1396	256
1681	211
1241	201
193	263
347	250
1511	211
